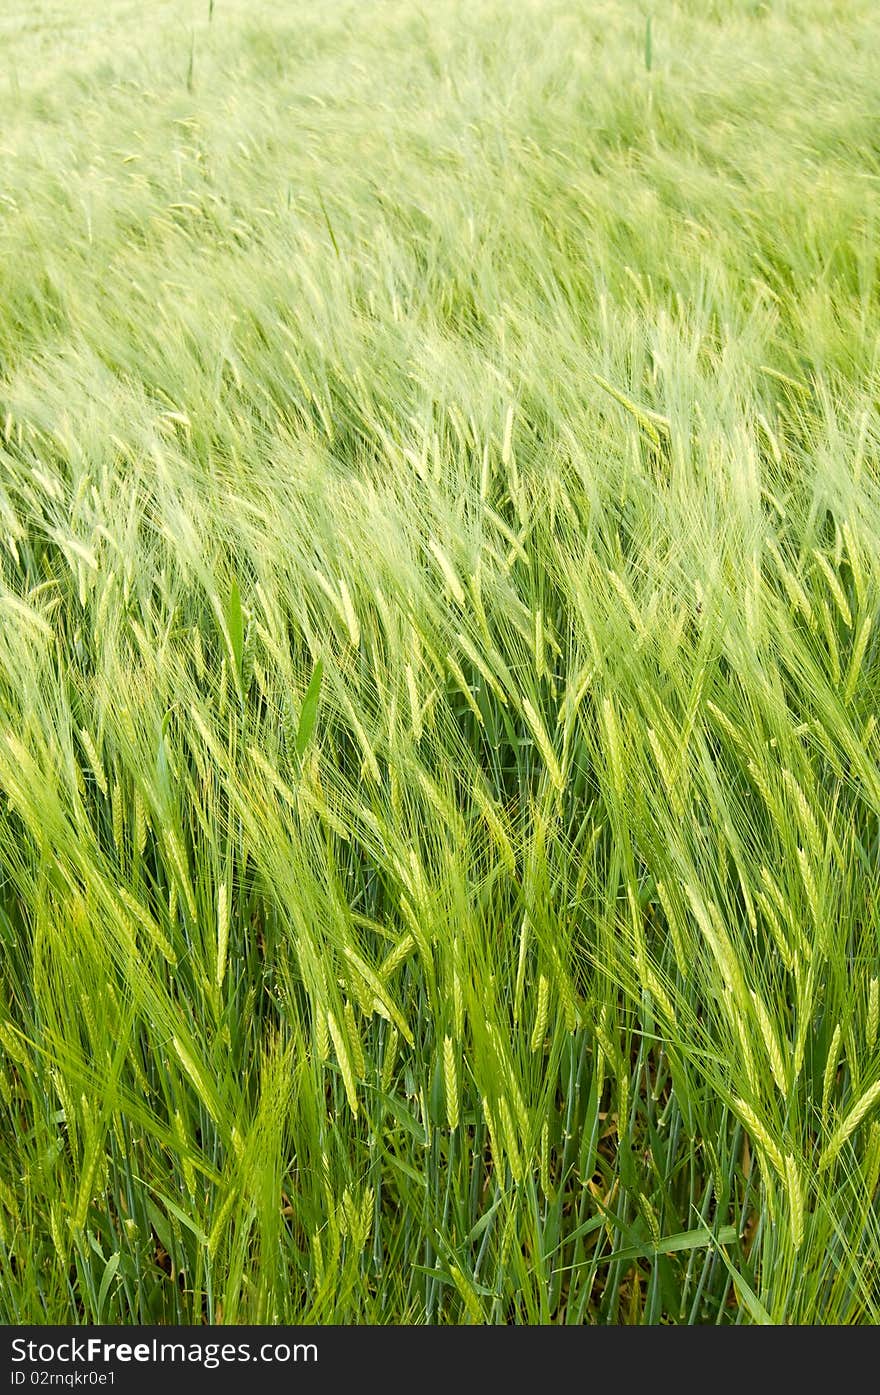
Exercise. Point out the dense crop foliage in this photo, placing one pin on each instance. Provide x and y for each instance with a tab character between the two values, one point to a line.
439	581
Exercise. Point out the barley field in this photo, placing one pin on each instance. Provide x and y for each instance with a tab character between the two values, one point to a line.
439	667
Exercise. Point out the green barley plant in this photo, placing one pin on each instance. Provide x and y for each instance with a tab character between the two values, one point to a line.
439	667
